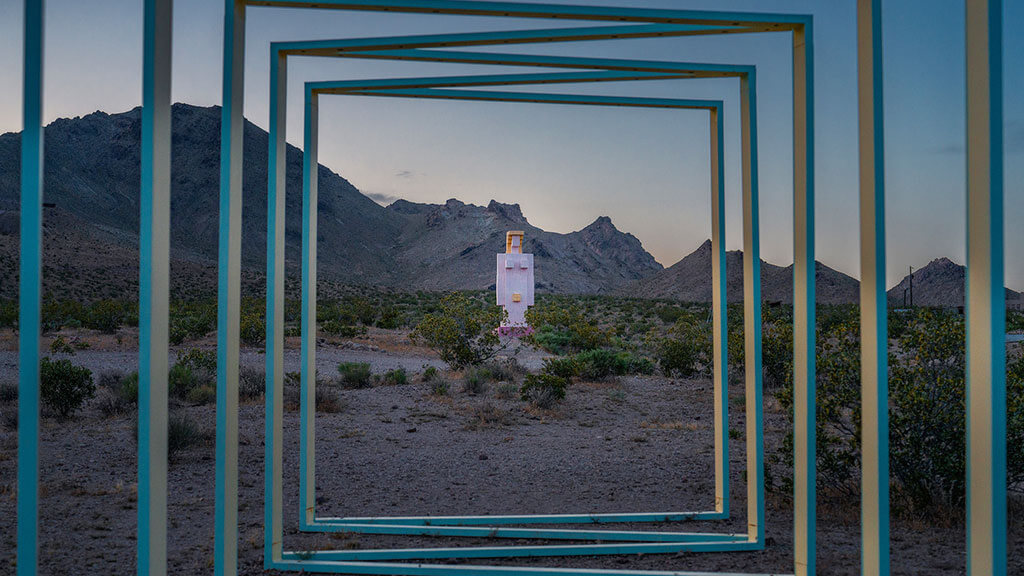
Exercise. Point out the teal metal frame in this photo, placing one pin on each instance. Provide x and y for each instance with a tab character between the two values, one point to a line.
612	70
657	542
452	525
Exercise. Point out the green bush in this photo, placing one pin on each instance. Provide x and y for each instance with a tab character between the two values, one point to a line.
601	364
199	359
564	328
430	373
106	316
396	377
252	383
8	392
463	332
543	390
61	346
475	381
192	320
355	374
8	314
566	368
183	433
252	325
440	387
926	412
686	350
390	318
183	379
64	387
342	330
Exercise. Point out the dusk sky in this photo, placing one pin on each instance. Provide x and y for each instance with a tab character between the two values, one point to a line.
567	165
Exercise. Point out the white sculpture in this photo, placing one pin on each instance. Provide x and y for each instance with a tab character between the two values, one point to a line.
514	284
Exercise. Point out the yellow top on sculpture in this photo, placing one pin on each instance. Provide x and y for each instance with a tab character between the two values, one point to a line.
514	242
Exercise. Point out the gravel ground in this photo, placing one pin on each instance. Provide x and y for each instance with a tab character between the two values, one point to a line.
638	444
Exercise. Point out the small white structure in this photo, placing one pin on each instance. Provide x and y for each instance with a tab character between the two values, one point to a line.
514	283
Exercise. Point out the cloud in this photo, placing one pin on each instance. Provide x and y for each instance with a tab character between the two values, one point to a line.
405	174
381	198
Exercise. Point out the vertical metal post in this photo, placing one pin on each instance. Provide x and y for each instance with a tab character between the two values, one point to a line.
752	309
874	331
986	305
274	397
29	292
154	269
803	302
719	315
307	395
228	289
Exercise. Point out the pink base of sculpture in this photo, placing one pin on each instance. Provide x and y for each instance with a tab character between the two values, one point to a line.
514	331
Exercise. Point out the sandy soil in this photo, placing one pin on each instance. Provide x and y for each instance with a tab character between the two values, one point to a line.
639	444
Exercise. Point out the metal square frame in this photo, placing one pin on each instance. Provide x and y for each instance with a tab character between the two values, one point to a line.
612	70
457	525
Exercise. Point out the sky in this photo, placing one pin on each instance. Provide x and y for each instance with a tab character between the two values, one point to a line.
567	165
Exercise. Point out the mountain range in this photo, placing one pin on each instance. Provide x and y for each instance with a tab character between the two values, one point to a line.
91	229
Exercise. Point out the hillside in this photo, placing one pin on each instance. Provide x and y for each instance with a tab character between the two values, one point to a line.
941	283
92	175
689	280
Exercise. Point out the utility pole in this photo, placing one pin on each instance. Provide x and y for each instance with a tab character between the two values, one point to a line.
911	286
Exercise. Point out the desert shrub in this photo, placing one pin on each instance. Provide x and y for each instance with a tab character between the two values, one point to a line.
8	313
562	329
9	419
122	393
462	332
192	320
776	343
61	346
837	408
508	370
686	350
430	373
396	377
475	381
204	394
507	390
551	340
252	383
440	387
8	392
1014	321
252	324
57	314
106	316
182	379
566	367
183	433
601	364
338	328
110	379
1015	423
355	374
64	387
926	413
199	359
669	314
327	399
927	418
390	318
488	415
543	390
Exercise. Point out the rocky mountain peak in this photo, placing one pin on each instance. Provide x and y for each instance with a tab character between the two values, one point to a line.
511	212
